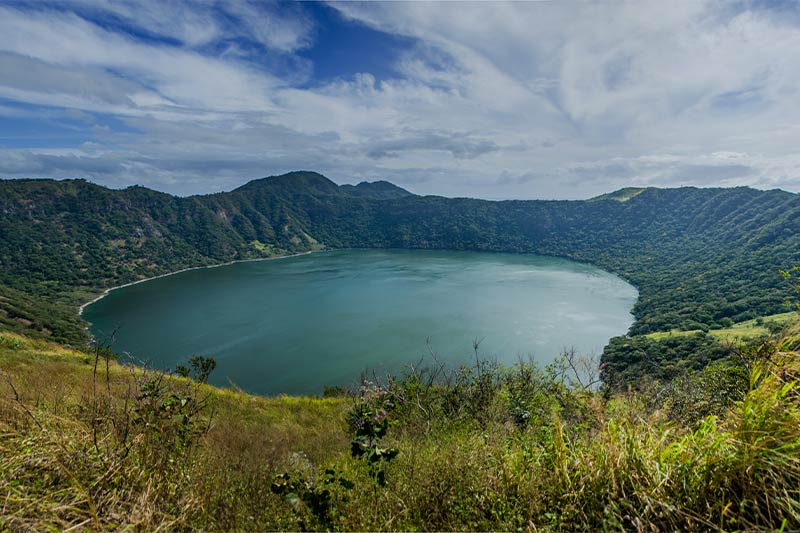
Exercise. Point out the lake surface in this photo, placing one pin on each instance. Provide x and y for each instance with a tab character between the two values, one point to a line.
297	324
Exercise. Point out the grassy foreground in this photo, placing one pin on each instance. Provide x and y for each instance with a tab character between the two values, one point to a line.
480	448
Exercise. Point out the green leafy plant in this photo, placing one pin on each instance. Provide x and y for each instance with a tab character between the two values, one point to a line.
316	497
369	422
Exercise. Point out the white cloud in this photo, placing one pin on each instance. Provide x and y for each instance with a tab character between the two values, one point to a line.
161	75
629	80
192	24
272	27
492	99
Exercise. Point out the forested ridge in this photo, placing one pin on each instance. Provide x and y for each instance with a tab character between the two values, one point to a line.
701	258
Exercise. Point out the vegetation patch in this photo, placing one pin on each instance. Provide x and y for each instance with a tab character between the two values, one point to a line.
747	330
95	444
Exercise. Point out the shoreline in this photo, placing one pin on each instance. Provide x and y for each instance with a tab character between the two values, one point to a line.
107	291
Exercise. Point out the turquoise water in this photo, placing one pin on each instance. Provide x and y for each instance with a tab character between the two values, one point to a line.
297	324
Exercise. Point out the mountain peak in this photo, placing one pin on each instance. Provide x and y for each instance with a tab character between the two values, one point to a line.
382	190
298	181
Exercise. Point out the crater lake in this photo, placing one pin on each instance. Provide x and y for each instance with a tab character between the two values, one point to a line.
295	325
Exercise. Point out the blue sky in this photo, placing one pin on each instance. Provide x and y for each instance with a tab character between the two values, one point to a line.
493	100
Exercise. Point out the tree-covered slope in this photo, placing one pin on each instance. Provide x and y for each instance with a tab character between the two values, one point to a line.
699	257
57	236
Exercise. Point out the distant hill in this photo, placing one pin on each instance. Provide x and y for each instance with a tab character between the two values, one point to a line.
622	195
300	181
379	190
699	257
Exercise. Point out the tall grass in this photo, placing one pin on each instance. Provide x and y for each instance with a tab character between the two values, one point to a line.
479	448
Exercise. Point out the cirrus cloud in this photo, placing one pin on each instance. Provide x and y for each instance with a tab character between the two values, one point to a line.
497	100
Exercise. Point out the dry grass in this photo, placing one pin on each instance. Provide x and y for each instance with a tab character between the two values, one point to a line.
128	453
67	462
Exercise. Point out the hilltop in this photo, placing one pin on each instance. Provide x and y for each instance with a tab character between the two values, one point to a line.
621	195
380	190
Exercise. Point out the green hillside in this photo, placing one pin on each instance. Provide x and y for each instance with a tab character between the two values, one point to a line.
742	331
702	259
621	195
